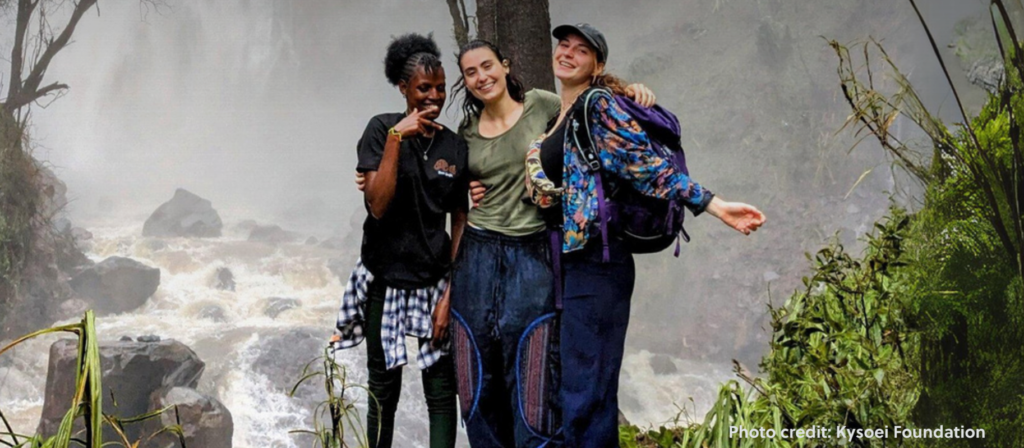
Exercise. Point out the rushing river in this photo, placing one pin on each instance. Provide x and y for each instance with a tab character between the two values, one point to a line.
233	334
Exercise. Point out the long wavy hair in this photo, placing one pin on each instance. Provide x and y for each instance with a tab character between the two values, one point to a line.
471	105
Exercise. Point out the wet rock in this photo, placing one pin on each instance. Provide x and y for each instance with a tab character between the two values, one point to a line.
81	234
623	421
205	421
272	234
987	73
149	338
311	241
154	245
73	307
212	312
283	356
116	285
132	371
333	242
223	279
246	225
340	268
663	365
278	305
185	215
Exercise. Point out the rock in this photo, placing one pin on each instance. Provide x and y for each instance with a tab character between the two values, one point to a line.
246	225
125	339
55	193
80	234
205	422
212	312
623	421
278	305
770	276
132	371
311	241
663	365
333	242
116	285
340	268
185	215
149	338
154	245
272	234
987	73
73	307
283	356
224	280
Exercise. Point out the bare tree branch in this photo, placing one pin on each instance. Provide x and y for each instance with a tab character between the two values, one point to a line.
460	22
25	9
24	91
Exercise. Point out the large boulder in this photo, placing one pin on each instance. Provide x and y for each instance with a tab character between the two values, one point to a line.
205	422
271	234
131	372
283	357
116	285
185	215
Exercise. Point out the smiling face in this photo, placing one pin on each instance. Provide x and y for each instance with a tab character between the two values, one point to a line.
575	61
484	74
425	91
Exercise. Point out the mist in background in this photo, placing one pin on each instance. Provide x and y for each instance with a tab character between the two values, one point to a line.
257	106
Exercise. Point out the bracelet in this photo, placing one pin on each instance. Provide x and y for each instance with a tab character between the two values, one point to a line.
395	132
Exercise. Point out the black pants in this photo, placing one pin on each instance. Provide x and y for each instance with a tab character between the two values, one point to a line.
386	385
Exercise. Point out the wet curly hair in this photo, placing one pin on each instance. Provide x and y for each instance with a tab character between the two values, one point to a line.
408	52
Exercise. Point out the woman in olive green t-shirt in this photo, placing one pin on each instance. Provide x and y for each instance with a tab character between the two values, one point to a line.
502	290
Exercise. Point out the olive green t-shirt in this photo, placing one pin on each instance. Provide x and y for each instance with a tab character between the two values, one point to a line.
499	163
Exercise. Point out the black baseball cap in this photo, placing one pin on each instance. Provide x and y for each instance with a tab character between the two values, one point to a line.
591	34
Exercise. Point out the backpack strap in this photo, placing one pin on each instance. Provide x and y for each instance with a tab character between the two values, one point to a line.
586	146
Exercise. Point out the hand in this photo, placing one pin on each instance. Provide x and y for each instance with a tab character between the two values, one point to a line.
641	94
441	318
415	124
476	192
744	218
360	181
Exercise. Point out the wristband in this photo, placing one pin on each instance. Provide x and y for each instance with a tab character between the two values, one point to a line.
395	132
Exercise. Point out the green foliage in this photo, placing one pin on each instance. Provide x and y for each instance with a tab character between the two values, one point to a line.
87	401
338	409
19	203
842	354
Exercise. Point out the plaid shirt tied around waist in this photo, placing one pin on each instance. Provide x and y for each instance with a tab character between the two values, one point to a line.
407	312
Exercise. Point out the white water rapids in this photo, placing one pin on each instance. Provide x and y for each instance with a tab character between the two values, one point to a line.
262	412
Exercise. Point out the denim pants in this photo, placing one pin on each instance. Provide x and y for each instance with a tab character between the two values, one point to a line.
505	339
595	313
386	385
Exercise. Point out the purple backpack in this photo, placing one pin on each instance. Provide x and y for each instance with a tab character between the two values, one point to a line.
646	224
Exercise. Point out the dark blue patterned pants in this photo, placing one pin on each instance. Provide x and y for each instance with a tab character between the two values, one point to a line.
505	339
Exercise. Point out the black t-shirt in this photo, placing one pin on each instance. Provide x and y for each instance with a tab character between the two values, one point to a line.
552	153
408	247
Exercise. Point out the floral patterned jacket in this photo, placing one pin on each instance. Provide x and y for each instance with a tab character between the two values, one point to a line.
626	156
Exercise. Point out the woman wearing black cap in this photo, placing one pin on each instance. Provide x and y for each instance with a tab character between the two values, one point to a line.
598	275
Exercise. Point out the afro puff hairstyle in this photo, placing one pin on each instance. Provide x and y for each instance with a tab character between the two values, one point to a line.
408	52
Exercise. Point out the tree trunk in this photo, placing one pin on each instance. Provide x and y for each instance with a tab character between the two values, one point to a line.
524	31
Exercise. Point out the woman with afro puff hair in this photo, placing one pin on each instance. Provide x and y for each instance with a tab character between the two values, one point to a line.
415	172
